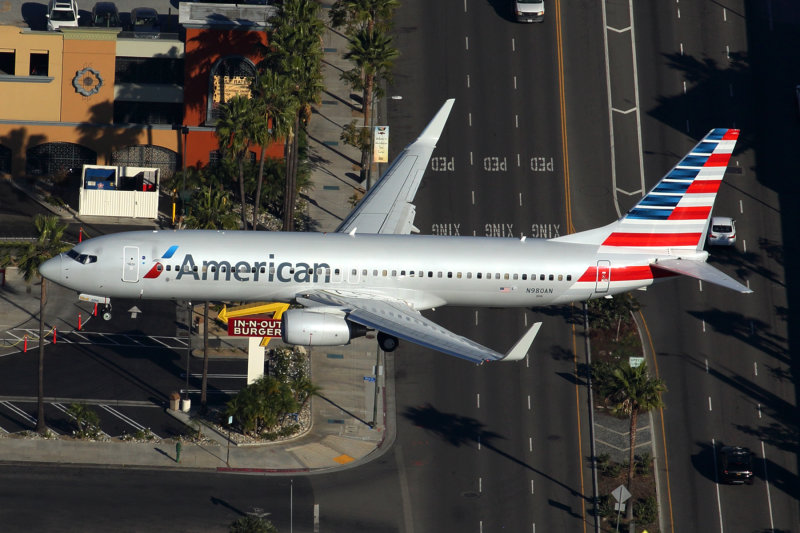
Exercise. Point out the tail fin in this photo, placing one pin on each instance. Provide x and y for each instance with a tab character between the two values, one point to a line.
675	214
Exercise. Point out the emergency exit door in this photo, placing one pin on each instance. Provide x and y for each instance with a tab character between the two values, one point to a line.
603	276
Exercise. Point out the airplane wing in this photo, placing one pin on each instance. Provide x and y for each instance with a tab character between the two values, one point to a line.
398	319
387	207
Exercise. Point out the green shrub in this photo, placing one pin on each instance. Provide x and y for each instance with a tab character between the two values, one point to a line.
646	511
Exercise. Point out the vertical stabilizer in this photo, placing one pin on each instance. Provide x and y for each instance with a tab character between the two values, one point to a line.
675	214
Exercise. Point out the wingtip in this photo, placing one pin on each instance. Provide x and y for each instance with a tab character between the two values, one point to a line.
520	349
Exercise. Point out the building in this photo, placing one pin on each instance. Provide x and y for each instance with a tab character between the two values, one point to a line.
97	95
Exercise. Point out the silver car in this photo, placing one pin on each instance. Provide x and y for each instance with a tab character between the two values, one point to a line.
722	231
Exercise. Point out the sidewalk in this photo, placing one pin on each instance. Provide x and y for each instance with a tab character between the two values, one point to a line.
341	433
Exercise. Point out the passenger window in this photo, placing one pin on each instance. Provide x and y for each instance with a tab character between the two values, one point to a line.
469	275
430	274
394	273
560	277
541	277
550	277
262	270
169	268
497	276
479	275
516	276
569	277
458	275
159	268
524	277
385	273
450	275
505	276
411	273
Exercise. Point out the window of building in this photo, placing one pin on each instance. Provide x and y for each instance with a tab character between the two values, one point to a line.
230	76
7	62
40	64
147	112
167	70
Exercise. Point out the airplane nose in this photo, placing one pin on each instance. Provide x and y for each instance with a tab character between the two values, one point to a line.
51	269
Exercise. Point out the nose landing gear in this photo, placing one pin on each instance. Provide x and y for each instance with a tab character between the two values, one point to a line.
107	312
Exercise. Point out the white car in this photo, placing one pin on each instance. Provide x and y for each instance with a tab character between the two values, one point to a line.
529	10
722	231
62	13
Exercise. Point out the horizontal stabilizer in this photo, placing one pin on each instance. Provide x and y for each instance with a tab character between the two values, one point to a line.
700	270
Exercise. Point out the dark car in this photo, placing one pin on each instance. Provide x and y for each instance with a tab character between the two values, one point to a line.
736	465
105	15
144	21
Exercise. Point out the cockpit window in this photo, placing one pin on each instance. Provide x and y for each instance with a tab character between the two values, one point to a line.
82	258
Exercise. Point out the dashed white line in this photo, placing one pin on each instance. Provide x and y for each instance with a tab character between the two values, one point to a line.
530	444
478	400
755	368
480	484
515	82
759	410
716	485
744	245
741	208
476	317
532	491
706	365
466	42
513	44
766	482
529	402
467	81
709	403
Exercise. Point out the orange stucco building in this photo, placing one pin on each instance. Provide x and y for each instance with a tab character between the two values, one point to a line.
89	95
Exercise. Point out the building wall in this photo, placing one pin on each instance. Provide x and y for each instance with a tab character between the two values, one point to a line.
88	61
203	48
25	97
104	140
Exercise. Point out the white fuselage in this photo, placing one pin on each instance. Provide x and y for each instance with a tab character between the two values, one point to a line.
423	271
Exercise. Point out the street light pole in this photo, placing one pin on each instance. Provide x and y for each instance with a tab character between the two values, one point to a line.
188	345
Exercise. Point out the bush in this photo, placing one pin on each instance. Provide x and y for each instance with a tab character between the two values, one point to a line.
252	524
646	511
86	421
644	464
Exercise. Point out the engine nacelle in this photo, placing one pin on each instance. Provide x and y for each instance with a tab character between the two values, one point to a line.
308	328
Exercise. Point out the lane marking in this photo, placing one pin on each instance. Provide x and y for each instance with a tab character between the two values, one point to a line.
716	484
766	482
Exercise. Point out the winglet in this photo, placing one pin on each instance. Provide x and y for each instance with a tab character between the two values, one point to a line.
433	130
520	349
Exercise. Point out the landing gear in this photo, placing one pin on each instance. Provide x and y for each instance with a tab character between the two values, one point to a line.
107	312
388	343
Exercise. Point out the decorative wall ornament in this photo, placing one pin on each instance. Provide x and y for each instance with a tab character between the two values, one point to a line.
87	81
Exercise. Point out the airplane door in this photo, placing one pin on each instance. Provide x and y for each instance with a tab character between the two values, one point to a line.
603	276
130	267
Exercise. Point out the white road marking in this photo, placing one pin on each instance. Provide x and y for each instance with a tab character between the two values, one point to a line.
766	482
709	403
478	399
716	484
466	42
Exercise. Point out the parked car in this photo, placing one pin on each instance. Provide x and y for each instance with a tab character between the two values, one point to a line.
105	15
62	13
736	465
144	21
722	231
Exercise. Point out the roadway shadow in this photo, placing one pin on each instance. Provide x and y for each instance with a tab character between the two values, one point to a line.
462	430
703	461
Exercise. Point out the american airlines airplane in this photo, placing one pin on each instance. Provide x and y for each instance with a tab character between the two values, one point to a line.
372	274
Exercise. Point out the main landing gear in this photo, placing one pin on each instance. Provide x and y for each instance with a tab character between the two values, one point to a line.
107	312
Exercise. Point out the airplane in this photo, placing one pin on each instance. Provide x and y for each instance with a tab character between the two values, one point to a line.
373	274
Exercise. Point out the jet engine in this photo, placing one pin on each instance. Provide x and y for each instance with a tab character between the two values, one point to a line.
311	328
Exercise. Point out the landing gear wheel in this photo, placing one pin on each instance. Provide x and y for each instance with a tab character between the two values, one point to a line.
107	312
388	343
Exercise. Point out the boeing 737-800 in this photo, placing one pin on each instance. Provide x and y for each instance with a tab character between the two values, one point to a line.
373	274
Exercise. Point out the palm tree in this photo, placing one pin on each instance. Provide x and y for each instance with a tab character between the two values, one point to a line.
275	104
209	209
374	56
234	131
297	54
49	232
630	391
358	14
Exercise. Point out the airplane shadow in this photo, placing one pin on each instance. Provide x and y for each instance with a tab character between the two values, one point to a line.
461	430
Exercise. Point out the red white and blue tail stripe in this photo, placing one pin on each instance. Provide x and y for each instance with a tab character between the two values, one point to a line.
675	214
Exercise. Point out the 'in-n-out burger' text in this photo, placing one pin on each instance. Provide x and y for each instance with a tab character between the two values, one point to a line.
254	327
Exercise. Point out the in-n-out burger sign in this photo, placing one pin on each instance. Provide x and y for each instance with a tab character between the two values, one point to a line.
254	326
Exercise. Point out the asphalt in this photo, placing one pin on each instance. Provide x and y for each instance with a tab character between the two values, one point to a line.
352	422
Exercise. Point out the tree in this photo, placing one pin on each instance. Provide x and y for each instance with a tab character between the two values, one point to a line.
297	54
234	131
209	209
275	105
630	391
85	420
358	14
374	56
48	244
